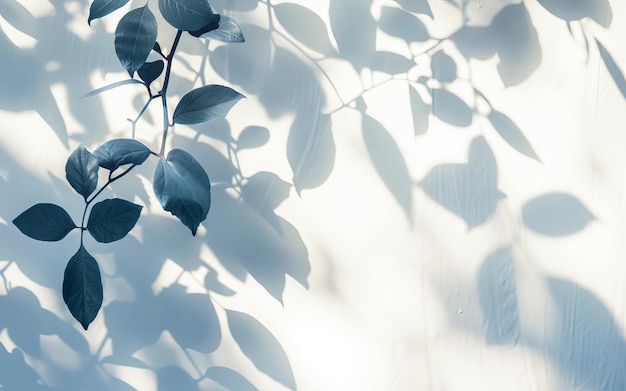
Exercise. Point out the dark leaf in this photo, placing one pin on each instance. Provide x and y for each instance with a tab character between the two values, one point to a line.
253	137
614	69
507	129
157	48
420	111
186	15
82	287
227	31
112	219
305	26
115	153
401	24
183	188
205	104
111	86
230	379
556	214
149	71
443	67
81	171
47	222
212	25
259	345
391	63
100	8
311	150
135	36
417	6
451	109
388	162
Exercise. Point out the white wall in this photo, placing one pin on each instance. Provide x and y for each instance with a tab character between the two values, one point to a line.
445	209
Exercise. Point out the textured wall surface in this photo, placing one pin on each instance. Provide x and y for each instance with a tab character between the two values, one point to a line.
415	195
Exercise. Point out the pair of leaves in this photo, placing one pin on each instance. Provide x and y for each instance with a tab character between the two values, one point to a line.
183	188
109	220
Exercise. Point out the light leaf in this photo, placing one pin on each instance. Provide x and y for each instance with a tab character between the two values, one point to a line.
112	86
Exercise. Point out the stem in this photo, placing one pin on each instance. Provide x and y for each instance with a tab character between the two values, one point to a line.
90	200
143	109
163	92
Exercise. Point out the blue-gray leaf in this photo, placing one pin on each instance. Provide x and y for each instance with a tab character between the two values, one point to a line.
112	219
47	222
507	129
258	344
214	23
229	378
81	171
135	36
82	287
115	153
227	31
186	15
556	214
183	188
205	104
100	8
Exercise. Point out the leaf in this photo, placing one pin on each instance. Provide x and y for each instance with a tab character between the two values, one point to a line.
388	162
391	63
82	287
213	24
305	26
470	191
81	171
417	6
230	379
135	36
183	188
227	30
401	24
186	15
205	104
613	68
149	71
443	67
311	150
507	129
115	153
258	344
100	8
111	86
112	219
253	137
420	112
451	109
556	214
47	222
265	191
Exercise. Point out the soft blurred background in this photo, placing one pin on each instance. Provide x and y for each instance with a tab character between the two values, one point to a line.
415	195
